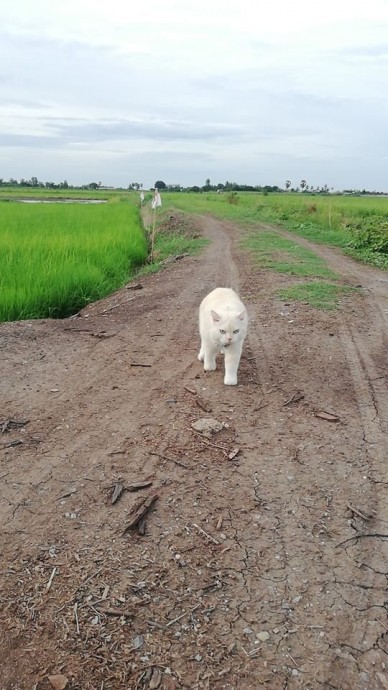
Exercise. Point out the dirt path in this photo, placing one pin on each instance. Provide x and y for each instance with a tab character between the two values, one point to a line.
262	568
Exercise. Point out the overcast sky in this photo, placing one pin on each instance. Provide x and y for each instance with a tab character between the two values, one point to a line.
258	93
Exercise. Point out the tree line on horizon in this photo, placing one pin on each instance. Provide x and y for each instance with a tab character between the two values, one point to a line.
220	187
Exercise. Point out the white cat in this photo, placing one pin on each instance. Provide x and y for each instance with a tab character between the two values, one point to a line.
223	324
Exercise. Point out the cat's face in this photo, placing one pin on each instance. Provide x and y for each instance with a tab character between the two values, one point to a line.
229	328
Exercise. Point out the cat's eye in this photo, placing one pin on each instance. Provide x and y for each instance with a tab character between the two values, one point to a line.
222	331
237	330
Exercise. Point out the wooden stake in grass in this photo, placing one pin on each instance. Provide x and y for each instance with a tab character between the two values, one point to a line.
156	201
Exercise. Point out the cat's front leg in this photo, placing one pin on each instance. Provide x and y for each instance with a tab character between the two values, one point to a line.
209	357
232	360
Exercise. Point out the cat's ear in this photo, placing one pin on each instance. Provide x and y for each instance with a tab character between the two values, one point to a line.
215	316
241	315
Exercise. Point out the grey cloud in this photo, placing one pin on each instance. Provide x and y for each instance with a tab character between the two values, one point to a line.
83	132
27	140
162	131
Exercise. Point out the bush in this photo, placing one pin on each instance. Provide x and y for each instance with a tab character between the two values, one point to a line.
371	235
232	198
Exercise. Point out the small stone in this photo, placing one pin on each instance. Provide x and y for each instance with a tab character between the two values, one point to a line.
138	641
58	681
198	657
263	636
208	426
248	631
294	672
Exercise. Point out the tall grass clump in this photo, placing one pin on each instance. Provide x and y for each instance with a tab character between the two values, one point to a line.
54	259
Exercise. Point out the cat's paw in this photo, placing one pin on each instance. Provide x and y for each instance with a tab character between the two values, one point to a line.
230	380
210	367
201	357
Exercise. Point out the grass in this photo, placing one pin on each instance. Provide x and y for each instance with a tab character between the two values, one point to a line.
172	239
318	294
273	251
331	220
57	258
14	193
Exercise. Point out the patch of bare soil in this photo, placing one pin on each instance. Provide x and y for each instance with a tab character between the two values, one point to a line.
138	552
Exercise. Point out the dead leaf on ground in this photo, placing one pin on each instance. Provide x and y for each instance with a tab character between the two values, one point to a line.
156	679
58	681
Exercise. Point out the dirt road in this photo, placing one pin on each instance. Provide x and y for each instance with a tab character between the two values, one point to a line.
264	558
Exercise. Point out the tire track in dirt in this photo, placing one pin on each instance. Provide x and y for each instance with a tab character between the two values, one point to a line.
364	346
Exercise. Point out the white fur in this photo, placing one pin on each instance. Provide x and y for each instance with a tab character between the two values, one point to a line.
223	323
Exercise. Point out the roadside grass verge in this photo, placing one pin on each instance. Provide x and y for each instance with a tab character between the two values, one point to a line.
280	254
175	235
318	294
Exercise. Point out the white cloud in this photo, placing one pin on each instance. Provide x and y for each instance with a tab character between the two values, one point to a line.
186	90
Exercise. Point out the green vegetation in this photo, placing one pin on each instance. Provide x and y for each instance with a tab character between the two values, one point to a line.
359	225
55	258
174	236
273	251
318	294
282	255
62	194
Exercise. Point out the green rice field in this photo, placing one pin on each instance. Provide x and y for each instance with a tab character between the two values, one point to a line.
55	258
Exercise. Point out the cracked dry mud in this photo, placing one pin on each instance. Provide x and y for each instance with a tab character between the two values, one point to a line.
261	571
